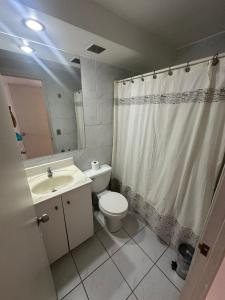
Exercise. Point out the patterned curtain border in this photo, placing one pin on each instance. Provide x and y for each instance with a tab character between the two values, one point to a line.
166	227
198	96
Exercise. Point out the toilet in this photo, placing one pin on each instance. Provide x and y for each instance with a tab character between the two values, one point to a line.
113	206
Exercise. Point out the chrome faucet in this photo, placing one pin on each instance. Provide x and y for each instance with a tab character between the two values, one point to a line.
50	173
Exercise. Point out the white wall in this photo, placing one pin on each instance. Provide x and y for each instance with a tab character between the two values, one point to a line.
203	48
97	86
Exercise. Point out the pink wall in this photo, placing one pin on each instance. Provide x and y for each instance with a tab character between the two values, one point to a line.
217	290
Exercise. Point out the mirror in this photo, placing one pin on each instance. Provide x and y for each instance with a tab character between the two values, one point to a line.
44	96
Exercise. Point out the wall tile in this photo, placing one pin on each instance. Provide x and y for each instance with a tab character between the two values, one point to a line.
105	112
91	113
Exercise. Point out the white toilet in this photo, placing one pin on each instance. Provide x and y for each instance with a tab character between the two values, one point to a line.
113	206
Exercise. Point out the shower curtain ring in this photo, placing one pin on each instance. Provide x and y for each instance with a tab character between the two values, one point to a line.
154	75
215	59
170	72
124	82
187	68
132	80
142	78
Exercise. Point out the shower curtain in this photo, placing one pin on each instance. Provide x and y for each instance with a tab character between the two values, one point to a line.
168	147
79	113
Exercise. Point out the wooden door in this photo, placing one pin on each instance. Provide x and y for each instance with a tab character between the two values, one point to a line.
204	267
29	105
25	273
78	215
54	231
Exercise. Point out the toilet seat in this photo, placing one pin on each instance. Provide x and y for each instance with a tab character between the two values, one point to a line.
112	203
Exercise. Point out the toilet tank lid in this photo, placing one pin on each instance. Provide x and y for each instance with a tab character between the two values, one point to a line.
93	173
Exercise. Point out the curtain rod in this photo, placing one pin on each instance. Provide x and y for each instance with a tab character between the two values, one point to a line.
187	66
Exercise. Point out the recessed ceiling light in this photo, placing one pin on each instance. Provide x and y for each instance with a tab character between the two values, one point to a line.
34	25
26	49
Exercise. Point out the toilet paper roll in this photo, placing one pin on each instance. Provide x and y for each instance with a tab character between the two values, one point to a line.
95	165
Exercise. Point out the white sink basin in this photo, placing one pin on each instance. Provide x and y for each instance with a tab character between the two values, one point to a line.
47	185
66	176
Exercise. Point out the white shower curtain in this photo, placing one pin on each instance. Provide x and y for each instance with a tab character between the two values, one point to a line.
79	113
168	147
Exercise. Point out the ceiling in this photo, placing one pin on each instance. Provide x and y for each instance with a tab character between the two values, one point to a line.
61	41
179	22
139	35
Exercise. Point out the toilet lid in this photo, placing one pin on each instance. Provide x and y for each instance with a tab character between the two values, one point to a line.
113	203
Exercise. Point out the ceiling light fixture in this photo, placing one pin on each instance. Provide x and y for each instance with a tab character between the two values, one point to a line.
26	49
34	25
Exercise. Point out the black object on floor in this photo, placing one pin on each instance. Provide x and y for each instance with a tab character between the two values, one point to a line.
184	258
174	265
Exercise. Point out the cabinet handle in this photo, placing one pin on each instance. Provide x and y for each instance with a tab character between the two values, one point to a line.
42	219
56	207
68	202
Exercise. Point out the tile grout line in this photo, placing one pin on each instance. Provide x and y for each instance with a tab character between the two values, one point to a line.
168	278
96	269
118	248
154	263
116	265
79	275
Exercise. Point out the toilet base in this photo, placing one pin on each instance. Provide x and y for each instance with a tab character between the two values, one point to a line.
113	224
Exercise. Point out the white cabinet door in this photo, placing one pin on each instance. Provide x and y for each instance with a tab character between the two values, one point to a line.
54	231
78	215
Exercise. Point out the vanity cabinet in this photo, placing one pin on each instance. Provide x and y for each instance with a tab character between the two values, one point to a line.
78	215
53	231
70	221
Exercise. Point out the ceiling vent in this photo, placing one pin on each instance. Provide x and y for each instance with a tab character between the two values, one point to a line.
95	49
75	60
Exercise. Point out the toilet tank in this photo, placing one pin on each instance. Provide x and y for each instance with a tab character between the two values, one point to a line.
100	178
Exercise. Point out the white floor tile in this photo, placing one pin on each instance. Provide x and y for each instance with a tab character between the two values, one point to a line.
164	264
133	224
77	294
149	242
112	241
132	297
65	275
106	283
132	262
89	255
155	286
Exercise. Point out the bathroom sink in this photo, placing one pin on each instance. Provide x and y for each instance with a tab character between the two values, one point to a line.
53	179
53	184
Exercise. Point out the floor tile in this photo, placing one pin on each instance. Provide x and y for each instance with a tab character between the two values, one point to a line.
89	255
164	264
132	262
77	294
149	242
106	283
65	275
132	224
132	297
154	286
112	241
